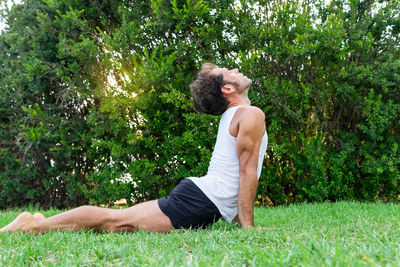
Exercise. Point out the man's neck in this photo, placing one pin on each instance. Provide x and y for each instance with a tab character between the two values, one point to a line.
239	101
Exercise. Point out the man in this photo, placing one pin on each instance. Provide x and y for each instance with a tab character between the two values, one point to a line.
228	190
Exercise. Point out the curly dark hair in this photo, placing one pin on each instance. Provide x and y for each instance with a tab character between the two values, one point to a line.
206	91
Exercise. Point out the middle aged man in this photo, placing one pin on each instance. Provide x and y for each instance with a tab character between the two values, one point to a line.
228	190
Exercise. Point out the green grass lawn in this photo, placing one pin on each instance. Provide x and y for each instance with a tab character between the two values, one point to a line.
338	234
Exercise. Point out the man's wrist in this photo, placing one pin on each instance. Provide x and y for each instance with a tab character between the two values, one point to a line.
247	223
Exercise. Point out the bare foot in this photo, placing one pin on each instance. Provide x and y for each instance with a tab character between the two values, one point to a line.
38	216
23	223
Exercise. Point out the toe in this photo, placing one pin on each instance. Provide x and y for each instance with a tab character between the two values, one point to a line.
17	223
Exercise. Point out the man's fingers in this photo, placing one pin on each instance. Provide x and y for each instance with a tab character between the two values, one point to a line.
261	228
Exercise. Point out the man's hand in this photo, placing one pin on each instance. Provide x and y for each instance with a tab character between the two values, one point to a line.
258	228
237	220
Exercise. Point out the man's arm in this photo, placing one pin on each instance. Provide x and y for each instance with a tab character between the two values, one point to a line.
251	131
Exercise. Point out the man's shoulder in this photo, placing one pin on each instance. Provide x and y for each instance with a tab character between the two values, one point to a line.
248	112
251	119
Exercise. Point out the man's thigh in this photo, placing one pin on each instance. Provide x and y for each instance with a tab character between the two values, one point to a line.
143	216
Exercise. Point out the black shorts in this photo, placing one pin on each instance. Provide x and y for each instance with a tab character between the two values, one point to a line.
188	207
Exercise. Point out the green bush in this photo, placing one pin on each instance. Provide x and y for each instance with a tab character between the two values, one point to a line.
95	103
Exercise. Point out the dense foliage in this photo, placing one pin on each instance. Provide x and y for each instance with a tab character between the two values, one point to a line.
95	102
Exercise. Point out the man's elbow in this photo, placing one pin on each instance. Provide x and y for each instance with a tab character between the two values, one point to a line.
248	175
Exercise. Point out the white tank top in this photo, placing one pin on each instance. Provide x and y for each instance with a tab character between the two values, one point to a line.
221	184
